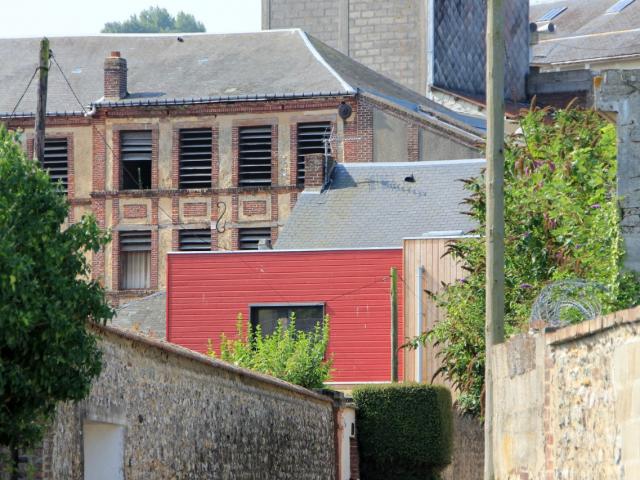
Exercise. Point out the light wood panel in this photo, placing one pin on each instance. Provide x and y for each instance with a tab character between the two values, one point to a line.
439	269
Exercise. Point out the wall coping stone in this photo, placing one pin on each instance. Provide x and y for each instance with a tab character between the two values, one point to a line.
592	327
178	351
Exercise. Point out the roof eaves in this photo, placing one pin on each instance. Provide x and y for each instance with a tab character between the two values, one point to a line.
219	99
424	113
324	63
9	115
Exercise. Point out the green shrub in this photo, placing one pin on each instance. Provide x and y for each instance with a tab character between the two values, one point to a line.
562	221
404	430
289	354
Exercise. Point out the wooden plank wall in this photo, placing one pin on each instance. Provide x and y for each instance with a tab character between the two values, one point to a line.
439	268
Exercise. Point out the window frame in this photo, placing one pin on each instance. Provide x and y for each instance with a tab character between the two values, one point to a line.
123	259
43	163
179	138
240	232
289	305
247	182
121	160
299	180
181	233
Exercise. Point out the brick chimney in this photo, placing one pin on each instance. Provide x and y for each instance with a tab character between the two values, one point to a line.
115	77
314	171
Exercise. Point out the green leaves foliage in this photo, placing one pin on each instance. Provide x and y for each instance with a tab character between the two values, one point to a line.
405	431
46	354
561	222
156	20
289	354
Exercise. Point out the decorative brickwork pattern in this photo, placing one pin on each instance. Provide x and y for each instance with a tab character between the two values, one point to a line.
135	211
254	207
194	209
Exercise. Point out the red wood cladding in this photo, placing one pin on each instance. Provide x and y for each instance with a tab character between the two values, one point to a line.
206	291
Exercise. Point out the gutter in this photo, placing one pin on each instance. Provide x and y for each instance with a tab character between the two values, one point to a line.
220	99
93	106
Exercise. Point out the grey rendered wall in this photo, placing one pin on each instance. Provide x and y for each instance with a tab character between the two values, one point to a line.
435	146
389	137
186	417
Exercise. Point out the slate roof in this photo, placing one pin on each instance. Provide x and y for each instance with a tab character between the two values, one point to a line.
586	33
202	68
372	205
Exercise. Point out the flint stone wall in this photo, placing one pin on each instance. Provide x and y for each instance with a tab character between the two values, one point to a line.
569	402
187	416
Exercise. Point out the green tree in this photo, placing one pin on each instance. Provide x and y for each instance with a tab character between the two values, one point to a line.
289	354
561	222
46	301
156	20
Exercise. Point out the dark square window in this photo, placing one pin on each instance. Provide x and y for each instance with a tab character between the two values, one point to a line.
135	157
267	316
194	240
254	156
195	157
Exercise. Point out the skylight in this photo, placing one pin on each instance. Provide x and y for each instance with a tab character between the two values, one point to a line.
553	13
619	6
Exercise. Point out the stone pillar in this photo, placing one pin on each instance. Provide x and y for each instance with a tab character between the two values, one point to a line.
619	91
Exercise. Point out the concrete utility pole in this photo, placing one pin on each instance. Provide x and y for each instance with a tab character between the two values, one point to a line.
38	143
494	326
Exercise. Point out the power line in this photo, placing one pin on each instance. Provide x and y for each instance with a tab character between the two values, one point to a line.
35	72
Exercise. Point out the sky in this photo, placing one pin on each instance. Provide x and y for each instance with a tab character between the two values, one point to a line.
87	17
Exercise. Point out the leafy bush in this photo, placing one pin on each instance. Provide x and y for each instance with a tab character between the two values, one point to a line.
561	222
404	430
289	354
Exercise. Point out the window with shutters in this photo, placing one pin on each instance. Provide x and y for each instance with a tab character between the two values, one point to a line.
195	158
311	139
254	156
194	240
135	260
249	238
56	161
135	157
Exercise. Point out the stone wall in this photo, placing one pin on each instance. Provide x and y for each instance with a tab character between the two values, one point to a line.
187	416
569	402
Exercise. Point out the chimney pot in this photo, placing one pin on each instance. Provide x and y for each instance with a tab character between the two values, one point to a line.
115	54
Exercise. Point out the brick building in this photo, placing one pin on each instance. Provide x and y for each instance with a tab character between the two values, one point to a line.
197	142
